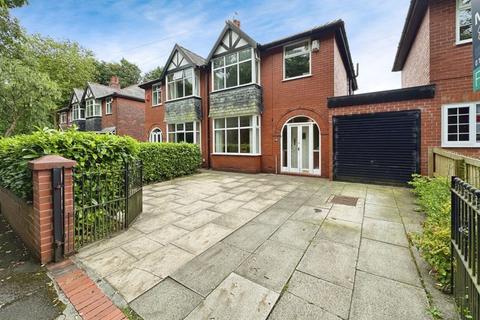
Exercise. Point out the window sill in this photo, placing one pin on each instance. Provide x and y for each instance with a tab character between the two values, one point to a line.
157	105
299	77
108	114
236	87
183	98
237	154
463	42
466	145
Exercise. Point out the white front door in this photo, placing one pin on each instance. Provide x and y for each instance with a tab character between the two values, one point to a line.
299	155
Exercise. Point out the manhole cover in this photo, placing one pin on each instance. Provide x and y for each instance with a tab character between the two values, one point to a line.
346	201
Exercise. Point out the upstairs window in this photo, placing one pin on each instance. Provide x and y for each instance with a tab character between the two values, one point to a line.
108	106
461	125
78	113
156	95
232	70
93	108
183	83
296	60
464	21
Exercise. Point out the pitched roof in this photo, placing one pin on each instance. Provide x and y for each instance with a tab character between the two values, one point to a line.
193	57
78	92
102	91
415	15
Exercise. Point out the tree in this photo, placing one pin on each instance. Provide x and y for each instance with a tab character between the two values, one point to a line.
11	35
129	73
152	74
12	3
27	97
65	62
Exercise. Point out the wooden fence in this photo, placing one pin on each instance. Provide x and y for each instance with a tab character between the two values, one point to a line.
447	164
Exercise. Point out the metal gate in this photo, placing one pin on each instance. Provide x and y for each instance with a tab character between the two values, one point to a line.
107	200
377	147
465	232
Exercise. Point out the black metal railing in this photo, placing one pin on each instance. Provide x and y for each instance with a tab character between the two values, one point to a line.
107	200
465	233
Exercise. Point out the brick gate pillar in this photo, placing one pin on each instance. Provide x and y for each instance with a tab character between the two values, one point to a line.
43	205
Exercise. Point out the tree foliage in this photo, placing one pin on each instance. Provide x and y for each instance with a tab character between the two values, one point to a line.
12	3
27	97
128	72
153	74
11	35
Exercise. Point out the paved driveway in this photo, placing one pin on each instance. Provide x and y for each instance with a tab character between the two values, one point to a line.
236	246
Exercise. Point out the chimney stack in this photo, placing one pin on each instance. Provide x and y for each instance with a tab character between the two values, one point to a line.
114	82
236	22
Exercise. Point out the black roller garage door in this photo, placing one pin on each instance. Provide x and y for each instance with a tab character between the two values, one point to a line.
377	147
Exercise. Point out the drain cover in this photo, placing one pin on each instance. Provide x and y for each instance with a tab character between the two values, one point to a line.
346	201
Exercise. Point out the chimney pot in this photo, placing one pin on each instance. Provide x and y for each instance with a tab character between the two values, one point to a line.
114	82
236	22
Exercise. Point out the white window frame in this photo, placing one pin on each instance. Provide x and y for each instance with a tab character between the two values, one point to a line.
254	59
472	129
298	54
108	105
63	118
156	133
257	123
196	128
156	95
457	24
93	108
77	112
195	84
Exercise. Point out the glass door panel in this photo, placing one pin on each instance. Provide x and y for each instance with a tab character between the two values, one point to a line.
294	148
305	148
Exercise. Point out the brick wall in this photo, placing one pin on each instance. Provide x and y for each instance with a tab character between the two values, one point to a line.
154	116
340	73
130	118
416	71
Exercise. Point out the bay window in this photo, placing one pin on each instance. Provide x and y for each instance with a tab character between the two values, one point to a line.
183	83
235	69
188	132
296	60
78	113
156	95
93	108
237	135
464	21
461	125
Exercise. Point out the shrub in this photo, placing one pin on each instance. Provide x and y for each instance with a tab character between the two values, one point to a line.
434	243
164	161
90	150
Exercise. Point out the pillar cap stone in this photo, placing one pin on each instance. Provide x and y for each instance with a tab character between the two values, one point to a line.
51	162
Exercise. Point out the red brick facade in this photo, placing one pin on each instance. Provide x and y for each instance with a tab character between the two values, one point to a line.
128	117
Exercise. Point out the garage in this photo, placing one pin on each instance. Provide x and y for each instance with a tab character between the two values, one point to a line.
377	147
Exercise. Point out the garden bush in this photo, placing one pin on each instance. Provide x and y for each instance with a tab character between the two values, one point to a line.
164	161
90	150
434	242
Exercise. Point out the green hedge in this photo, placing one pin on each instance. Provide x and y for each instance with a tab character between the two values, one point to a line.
434	242
90	150
164	161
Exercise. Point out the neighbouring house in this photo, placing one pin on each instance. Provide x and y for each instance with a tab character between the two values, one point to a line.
386	136
106	109
254	107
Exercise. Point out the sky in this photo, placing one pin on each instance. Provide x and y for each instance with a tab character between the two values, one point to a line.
145	31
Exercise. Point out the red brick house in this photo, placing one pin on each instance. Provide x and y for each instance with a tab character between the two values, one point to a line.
106	109
254	107
385	136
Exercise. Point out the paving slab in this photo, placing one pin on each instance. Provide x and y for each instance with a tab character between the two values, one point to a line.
220	197
295	233
291	204
107	262
233	221
132	282
258	204
273	195
246	196
141	246
310	214
164	261
206	271
107	244
274	216
382	212
377	298
385	231
236	298
380	198
250	236
197	220
228	206
290	307
167	234
340	231
157	221
389	261
194	207
330	297
330	261
271	265
168	300
203	238
347	213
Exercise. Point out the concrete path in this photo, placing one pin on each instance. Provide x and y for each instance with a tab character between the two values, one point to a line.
236	246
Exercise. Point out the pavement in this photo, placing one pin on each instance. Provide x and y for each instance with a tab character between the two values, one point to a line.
23	282
235	246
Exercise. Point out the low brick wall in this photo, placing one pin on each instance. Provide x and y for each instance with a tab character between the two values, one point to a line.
19	215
